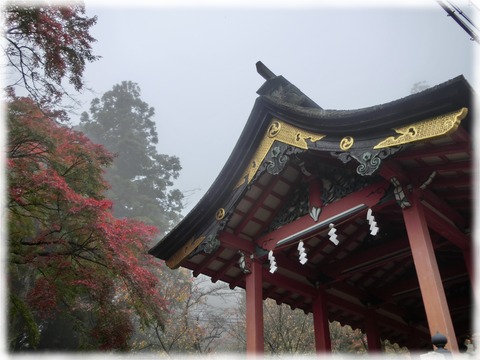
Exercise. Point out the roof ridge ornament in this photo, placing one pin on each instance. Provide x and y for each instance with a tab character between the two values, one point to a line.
283	133
264	71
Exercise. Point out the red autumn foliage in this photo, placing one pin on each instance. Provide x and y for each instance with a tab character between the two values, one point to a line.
66	248
46	44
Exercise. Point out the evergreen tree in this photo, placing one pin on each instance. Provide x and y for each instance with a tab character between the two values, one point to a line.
140	178
141	181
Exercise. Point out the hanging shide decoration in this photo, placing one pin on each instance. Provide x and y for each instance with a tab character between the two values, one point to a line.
333	234
273	263
373	224
302	255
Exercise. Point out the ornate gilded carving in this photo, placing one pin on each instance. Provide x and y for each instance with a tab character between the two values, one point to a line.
426	129
346	143
220	214
282	132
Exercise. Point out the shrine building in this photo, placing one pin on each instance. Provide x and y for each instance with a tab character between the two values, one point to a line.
361	216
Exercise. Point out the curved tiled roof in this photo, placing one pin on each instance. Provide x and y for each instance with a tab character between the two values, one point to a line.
299	110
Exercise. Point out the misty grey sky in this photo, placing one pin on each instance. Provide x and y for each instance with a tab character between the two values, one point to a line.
196	65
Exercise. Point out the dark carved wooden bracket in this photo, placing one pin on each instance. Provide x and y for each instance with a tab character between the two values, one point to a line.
369	159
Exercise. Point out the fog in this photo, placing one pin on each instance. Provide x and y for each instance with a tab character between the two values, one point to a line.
196	64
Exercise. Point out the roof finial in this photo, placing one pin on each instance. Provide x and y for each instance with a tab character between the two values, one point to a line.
265	72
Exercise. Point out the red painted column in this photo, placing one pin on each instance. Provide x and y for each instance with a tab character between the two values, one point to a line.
371	329
254	303
320	324
431	287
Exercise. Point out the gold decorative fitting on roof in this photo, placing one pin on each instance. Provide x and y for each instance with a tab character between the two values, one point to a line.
174	261
220	214
277	131
426	129
346	143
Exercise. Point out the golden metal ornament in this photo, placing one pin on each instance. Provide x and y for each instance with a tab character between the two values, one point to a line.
426	129
220	214
277	131
346	143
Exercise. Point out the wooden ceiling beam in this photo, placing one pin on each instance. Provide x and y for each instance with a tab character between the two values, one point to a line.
220	273
288	284
446	228
357	234
399	267
257	203
378	254
411	283
441	206
463	165
274	212
444	182
207	261
235	242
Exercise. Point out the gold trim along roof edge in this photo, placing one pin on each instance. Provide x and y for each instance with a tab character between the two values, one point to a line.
174	261
426	129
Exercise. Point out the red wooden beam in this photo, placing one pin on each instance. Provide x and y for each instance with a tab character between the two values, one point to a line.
223	270
441	206
445	228
209	258
305	226
235	242
392	168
